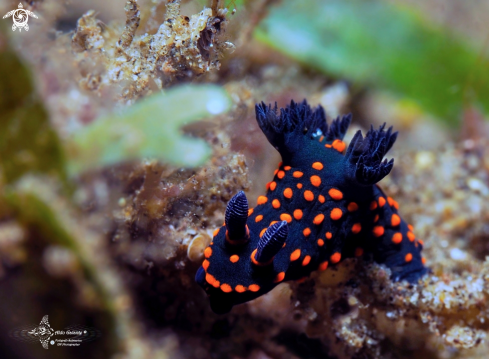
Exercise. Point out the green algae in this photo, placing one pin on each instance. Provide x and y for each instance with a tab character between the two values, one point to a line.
28	143
388	47
150	129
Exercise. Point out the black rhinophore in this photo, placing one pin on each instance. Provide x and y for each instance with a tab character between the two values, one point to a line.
236	216
271	242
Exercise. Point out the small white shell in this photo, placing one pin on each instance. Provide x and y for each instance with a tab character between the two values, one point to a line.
195	250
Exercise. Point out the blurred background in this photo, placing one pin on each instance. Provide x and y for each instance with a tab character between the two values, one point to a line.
126	127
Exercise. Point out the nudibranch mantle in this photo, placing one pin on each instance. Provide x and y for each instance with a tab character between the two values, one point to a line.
322	206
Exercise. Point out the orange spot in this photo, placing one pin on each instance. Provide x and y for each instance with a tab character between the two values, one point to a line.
211	280
318	219
286	217
317	166
280	164
411	228
275	172
373	205
298	214
226	288
234	258
216	232
321	198
395	220
280	174
411	236
420	241
335	194
397	238
273	222
336	213
280	277
306	261
295	255
316	181
376	218
258	218
297	174
392	203
287	168
339	145
356	228
240	289
306	232
252	257
320	242
262	200
352	207
205	264
308	195
250	212
323	266
321	139
254	287
276	203
288	193
408	257
381	201
301	280
268	186
299	185
208	252
262	232
378	231
329	235
327	146
336	257
255	262
358	252
273	185
423	260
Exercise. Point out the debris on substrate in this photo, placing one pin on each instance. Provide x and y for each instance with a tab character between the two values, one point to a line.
100	67
182	48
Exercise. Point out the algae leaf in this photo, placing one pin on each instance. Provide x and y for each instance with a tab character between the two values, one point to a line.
385	46
28	143
150	128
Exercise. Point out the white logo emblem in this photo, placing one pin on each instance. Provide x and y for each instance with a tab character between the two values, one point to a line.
72	336
43	331
20	17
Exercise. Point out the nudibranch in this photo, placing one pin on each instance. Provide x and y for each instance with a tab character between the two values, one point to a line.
323	205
